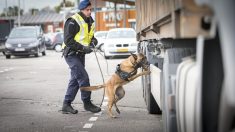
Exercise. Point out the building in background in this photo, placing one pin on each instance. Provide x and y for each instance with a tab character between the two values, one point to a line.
108	14
114	14
105	20
50	22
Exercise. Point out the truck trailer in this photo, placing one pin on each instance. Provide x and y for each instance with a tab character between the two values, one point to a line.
190	47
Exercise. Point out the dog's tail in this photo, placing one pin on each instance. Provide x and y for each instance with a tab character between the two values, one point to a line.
92	88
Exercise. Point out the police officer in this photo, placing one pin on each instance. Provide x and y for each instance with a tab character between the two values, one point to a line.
78	37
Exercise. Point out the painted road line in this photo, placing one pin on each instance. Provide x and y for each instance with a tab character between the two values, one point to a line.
99	113
88	125
93	118
6	70
32	72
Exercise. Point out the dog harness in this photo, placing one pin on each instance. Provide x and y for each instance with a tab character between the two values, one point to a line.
124	75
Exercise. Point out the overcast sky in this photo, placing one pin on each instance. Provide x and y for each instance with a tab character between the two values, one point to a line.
27	4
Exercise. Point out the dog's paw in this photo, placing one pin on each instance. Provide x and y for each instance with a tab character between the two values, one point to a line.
146	72
112	116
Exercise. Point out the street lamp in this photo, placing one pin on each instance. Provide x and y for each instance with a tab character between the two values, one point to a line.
18	13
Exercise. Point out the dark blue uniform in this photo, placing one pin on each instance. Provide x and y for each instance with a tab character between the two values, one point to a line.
78	78
76	62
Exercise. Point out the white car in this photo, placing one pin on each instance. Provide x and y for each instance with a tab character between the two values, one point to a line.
100	36
120	42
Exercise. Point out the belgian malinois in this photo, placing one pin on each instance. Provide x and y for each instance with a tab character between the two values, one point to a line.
126	71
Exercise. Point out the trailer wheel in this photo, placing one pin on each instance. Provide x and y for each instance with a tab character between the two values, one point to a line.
152	106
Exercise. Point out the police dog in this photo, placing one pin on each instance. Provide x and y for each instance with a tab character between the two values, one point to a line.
126	71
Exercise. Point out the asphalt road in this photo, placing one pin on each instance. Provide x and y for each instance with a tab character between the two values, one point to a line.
32	92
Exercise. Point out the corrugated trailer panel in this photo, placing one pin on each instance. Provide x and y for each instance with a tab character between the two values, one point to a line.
149	11
169	18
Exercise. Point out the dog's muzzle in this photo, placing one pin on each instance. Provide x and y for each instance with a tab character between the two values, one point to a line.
144	64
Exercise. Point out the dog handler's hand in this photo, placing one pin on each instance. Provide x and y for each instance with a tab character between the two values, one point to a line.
87	49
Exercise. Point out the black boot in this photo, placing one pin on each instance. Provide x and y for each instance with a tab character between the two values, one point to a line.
67	109
91	107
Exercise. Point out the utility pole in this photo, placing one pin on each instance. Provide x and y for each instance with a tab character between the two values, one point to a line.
95	3
64	11
78	1
124	24
6	8
115	14
64	4
18	13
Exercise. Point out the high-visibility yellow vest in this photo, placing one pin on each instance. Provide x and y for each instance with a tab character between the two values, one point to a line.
83	36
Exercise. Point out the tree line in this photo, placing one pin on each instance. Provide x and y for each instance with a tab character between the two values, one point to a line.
13	10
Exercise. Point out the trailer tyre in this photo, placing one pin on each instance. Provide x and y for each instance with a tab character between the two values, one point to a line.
152	106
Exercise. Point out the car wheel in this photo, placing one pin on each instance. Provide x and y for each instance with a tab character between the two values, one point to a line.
8	56
58	48
44	53
37	54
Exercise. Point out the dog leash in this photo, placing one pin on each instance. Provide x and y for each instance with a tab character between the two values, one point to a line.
95	50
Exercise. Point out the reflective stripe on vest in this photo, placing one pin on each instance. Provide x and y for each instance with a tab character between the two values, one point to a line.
83	36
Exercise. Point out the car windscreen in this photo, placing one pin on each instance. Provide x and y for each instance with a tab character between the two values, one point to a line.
101	35
121	34
23	33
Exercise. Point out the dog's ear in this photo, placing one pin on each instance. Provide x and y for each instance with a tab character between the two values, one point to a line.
134	55
141	53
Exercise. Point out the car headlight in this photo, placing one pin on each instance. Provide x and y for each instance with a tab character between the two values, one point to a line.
134	44
33	44
7	45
